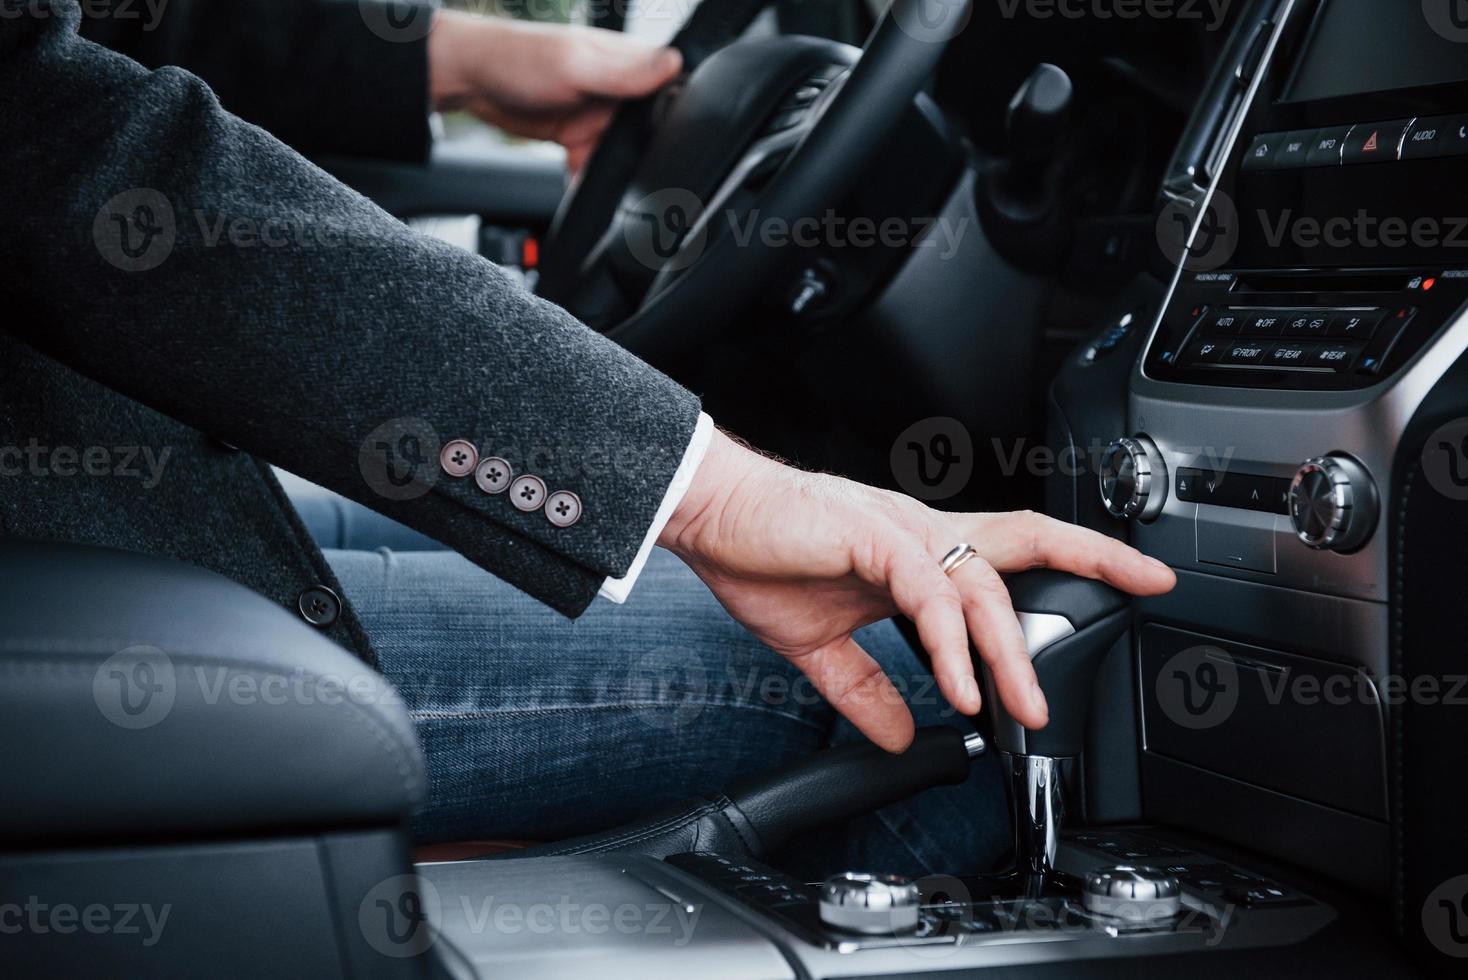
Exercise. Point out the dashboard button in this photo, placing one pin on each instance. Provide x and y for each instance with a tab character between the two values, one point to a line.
1244	352
1354	324
1306	323
1238	540
1393	324
1260	155
1204	351
1325	149
1224	322
1374	142
1337	356
1188	483
1453	136
1291	355
1427	138
1294	149
1269	324
1266	494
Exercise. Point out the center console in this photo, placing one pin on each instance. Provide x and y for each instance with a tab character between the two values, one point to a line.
1315	310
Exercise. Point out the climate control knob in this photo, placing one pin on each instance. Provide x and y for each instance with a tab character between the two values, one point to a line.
1133	478
1333	503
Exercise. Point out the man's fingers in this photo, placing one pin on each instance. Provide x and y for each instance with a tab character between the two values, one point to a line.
854	684
996	632
1032	540
617	66
929	598
579	134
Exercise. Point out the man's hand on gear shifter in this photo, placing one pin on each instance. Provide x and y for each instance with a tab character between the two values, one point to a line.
804	560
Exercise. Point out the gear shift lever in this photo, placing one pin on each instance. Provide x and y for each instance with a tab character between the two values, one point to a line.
1069	624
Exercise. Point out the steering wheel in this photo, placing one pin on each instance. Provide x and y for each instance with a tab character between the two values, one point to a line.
661	241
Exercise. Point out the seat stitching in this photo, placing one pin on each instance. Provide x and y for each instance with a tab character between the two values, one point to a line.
432	715
638	834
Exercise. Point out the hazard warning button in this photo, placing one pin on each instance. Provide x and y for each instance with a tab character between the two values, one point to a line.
1374	142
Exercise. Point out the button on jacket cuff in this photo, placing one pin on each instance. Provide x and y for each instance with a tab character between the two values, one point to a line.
618	589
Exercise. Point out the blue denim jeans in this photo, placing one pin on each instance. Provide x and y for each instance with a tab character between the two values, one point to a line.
535	726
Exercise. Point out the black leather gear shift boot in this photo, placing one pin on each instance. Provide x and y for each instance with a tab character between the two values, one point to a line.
758	815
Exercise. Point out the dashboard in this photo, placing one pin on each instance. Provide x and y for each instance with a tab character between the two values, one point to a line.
1335	245
1274	436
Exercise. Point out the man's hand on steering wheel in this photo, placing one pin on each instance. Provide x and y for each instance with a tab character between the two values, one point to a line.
804	560
540	81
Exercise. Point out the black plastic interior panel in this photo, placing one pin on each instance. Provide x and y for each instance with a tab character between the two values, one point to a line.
287	907
1293	724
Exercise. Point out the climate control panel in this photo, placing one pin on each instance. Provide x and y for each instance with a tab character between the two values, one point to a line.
1300	331
1356	340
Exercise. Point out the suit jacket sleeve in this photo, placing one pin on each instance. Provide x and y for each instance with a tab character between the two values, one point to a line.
192	262
325	76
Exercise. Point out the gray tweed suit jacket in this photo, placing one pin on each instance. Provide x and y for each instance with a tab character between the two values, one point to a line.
178	282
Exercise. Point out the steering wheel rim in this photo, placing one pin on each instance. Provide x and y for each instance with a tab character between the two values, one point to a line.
589	203
688	312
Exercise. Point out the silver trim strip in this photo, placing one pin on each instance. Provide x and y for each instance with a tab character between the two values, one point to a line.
1234	127
1043	630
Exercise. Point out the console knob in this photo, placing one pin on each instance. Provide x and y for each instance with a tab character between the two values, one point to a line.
870	904
1136	894
1333	503
1133	478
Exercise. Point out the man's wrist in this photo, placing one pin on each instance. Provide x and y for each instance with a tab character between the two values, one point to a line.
726	464
449	39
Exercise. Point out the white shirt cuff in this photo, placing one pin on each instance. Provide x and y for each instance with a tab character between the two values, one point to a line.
617	589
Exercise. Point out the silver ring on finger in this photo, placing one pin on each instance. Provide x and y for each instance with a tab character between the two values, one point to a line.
962	554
